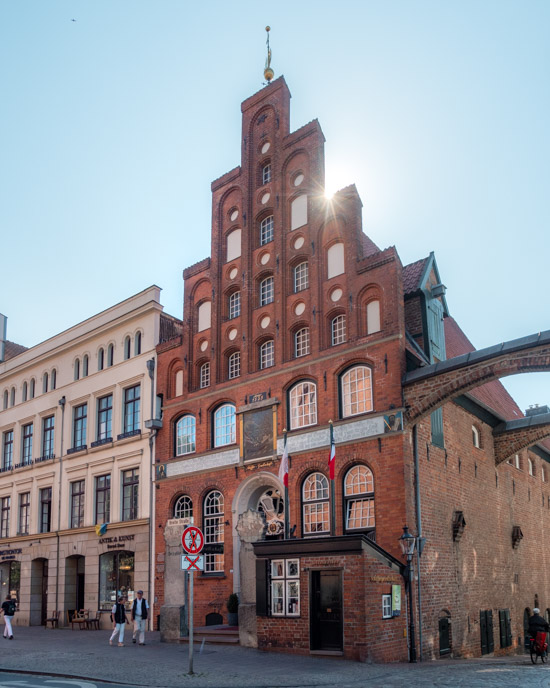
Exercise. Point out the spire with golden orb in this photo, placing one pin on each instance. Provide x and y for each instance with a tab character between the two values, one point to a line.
268	72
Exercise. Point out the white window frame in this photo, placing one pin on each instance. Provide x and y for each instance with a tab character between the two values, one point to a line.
301	342
234	305
386	607
284	575
267	354
186	435
204	375
355	401
301	277
315	505
303	404
359	493
183	508
266	173
267	230
338	329
267	291
234	365
225	423
213	525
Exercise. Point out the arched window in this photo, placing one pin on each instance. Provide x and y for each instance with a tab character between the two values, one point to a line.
301	277
303	405
301	342
234	365
359	498
224	425
233	245
137	344
25	386
100	359
126	348
110	355
85	362
54	378
475	437
267	354
356	391
12	396
234	306
373	316
338	330
45	381
266	173
32	388
335	260
531	467
298	212
183	508
204	315
5	399
266	230
185	435
179	383
315	505
77	369
267	291
204	375
213	528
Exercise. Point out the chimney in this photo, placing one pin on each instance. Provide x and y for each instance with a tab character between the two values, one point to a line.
3	333
535	410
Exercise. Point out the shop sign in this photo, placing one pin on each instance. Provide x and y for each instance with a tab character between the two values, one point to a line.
8	554
395	600
115	542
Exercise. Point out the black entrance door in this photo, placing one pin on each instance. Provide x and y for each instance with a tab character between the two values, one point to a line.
486	627
44	609
444	636
326	631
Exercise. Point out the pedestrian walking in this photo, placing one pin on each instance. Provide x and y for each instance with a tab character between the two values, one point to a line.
139	617
118	617
8	607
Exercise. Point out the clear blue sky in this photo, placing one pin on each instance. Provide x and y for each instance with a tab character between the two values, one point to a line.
113	126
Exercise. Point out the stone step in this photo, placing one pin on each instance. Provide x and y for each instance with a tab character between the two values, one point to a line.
217	635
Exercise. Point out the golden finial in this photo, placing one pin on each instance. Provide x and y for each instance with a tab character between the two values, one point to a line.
268	72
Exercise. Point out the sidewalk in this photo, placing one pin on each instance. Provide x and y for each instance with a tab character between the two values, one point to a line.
87	655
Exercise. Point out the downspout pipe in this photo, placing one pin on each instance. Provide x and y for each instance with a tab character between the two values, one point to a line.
152	435
61	402
420	541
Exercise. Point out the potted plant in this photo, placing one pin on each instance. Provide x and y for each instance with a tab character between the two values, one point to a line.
233	609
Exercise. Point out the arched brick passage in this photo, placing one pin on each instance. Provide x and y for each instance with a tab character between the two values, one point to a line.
512	437
428	388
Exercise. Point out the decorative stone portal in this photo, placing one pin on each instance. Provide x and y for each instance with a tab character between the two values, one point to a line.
173	620
251	527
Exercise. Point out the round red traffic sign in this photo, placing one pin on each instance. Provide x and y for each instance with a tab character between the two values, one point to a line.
192	540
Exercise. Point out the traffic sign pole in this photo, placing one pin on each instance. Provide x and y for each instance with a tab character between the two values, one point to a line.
191	577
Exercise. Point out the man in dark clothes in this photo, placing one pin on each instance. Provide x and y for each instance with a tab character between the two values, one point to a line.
537	623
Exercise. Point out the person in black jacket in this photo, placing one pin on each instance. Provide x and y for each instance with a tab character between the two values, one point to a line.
537	623
118	617
8	607
139	617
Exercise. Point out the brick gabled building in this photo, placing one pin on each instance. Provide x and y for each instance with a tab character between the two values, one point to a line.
295	322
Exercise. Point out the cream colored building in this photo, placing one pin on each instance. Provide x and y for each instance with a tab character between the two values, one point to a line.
77	446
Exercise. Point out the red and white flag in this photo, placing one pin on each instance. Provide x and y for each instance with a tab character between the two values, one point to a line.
331	455
283	467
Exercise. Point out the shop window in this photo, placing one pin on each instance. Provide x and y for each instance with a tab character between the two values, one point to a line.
10	575
183	508
224	425
303	405
116	577
185	435
213	532
233	245
315	505
356	391
359	499
373	317
285	587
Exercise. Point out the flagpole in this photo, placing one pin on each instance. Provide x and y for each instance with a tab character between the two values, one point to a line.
331	474
287	516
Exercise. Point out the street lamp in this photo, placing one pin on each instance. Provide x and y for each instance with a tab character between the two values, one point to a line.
407	542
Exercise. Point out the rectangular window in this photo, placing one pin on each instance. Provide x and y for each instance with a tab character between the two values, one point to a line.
45	510
131	409
26	449
103	499
47	437
5	517
24	510
104	417
7	454
80	417
285	587
77	504
386	607
437	428
130	487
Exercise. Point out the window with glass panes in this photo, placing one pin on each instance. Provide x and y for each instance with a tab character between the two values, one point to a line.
234	305
24	511
103	499
80	418
204	375
266	173
303	405
131	408
386	607
285	587
104	417
359	498
26	447
234	365
185	435
100	359
224	425
183	508
77	504
356	391
213	532
5	517
267	291
7	450
267	354
130	488
47	437
301	342
116	577
45	509
315	504
338	330
301	277
266	230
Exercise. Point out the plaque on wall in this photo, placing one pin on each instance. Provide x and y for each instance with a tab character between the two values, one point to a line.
258	434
